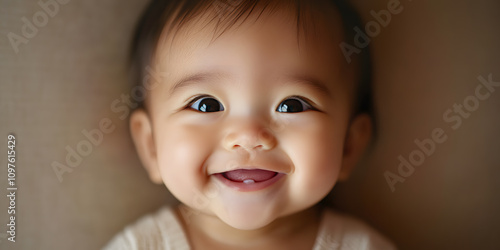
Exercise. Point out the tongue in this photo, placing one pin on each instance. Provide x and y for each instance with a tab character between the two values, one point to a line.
244	174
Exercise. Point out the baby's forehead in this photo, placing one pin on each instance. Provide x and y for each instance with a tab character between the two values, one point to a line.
315	23
313	35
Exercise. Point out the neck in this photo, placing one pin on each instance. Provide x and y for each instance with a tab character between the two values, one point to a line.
209	228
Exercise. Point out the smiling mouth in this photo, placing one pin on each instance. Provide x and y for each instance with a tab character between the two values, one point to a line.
249	176
246	180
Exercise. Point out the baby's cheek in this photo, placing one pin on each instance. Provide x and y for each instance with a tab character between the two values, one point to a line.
181	154
317	167
316	152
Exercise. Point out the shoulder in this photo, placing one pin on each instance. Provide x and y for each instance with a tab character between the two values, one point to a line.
340	231
160	230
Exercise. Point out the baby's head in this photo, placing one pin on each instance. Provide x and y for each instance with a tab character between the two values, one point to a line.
257	114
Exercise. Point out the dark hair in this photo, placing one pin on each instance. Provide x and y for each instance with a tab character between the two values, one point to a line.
161	13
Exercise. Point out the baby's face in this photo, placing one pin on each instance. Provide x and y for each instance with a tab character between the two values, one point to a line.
250	127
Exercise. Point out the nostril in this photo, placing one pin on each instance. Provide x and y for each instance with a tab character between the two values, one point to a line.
246	146
266	140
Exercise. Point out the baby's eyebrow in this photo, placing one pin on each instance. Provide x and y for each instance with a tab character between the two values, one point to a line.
284	80
196	78
306	80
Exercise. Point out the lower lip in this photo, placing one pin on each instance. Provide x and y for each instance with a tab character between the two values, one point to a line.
244	187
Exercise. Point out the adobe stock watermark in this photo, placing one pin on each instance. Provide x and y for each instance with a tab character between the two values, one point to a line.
372	29
454	117
94	137
30	27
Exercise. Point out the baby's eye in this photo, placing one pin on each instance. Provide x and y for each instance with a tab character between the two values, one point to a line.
293	105
206	104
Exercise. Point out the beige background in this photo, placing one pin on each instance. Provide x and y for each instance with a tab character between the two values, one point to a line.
427	59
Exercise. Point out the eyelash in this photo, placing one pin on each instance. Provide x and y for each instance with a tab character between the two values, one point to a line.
305	100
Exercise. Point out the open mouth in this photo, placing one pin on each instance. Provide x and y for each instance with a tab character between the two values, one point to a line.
249	176
249	179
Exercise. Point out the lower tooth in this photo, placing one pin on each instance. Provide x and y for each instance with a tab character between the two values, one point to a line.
248	181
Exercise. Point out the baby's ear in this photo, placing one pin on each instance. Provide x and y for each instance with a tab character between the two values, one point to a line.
142	134
357	139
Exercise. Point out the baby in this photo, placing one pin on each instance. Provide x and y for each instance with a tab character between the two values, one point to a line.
257	115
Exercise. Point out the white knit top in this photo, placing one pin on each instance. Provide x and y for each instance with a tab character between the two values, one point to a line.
162	230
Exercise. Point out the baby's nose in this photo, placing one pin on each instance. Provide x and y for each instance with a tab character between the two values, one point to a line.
249	137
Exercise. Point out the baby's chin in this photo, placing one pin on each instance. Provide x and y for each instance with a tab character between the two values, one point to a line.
243	216
253	220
